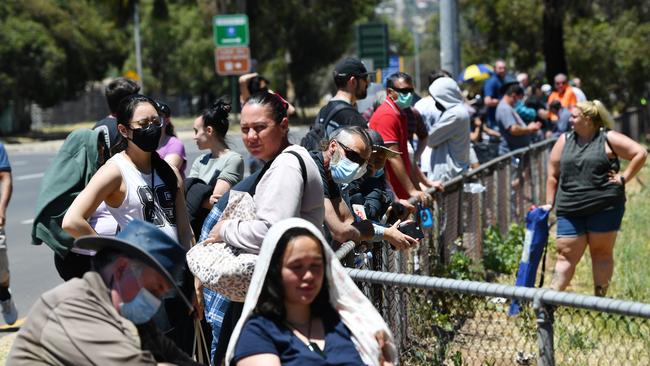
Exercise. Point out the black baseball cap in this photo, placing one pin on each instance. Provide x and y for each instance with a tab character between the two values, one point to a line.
350	66
143	241
378	143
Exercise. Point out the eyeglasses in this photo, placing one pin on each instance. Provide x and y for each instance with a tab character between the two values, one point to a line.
403	90
352	155
145	123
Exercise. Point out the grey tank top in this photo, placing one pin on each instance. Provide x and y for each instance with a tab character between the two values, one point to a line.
584	187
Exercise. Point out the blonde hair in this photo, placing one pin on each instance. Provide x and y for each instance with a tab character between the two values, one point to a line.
597	112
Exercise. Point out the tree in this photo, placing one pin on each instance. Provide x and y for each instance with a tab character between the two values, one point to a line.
604	42
554	55
294	39
50	50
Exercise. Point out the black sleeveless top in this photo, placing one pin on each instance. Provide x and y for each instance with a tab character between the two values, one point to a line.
584	187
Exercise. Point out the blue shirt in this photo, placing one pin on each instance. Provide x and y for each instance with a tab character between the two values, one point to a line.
4	159
492	88
262	335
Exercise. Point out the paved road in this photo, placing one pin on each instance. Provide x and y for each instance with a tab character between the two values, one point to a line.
32	267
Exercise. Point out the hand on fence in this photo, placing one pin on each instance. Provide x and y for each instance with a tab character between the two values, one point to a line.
398	239
423	197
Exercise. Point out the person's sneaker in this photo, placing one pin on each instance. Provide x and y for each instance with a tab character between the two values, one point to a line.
9	311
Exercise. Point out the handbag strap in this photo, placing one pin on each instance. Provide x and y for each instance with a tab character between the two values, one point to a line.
200	347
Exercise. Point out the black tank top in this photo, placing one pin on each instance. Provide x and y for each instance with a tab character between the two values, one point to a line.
584	187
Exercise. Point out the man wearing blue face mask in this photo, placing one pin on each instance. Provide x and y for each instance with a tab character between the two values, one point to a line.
104	317
344	160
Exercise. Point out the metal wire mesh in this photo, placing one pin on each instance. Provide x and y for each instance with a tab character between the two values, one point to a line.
451	322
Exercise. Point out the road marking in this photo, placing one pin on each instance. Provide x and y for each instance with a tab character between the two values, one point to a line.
27	222
30	176
17	324
19	163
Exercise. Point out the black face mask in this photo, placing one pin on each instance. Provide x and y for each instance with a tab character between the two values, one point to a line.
147	139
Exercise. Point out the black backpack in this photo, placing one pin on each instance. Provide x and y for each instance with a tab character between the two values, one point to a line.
318	131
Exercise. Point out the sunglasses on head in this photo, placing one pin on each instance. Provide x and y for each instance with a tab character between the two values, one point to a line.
351	154
403	90
145	123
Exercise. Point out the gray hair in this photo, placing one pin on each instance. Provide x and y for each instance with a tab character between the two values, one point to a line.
346	135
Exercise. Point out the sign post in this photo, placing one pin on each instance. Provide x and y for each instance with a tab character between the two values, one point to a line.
372	43
231	30
232	60
232	55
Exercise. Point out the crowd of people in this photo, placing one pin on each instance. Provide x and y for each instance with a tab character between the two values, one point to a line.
127	213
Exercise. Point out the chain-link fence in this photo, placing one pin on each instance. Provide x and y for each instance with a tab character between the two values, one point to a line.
497	194
439	321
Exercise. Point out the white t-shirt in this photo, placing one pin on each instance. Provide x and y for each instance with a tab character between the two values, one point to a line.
140	202
427	108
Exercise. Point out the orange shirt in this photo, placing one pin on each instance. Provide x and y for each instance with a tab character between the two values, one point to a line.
567	99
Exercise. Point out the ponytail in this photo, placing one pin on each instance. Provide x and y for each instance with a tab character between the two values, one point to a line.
597	112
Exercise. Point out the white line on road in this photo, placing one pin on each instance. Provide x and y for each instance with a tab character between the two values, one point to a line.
27	222
19	163
30	176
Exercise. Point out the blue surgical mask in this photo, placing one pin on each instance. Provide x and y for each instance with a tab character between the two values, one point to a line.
404	100
142	308
344	171
379	173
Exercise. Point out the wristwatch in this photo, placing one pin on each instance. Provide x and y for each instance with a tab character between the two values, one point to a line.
622	180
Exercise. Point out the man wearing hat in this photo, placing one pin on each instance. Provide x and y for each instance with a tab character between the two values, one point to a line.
351	80
92	320
372	191
343	161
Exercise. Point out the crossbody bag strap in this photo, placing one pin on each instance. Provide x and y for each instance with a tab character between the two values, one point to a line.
303	169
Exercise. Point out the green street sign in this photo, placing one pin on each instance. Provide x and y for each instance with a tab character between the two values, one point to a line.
230	30
372	43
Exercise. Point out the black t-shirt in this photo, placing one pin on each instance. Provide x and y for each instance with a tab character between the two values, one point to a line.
345	117
331	190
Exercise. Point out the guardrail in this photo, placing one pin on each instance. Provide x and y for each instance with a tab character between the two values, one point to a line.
512	183
439	321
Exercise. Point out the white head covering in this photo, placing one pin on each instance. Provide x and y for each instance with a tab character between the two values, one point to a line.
355	310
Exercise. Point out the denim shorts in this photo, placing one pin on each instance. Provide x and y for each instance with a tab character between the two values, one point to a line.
601	222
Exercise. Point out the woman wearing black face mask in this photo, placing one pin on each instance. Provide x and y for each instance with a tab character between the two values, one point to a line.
136	183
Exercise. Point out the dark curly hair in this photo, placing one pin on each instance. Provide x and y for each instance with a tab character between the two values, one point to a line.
271	301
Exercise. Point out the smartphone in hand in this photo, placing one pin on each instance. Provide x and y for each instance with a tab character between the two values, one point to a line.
411	229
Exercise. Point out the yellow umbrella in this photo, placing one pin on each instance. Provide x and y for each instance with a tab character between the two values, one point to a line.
475	72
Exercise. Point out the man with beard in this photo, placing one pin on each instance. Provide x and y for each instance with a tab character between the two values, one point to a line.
351	80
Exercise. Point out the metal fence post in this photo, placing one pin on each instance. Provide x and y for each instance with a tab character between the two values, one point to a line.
544	315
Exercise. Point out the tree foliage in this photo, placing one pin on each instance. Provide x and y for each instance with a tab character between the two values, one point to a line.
307	34
604	42
50	49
